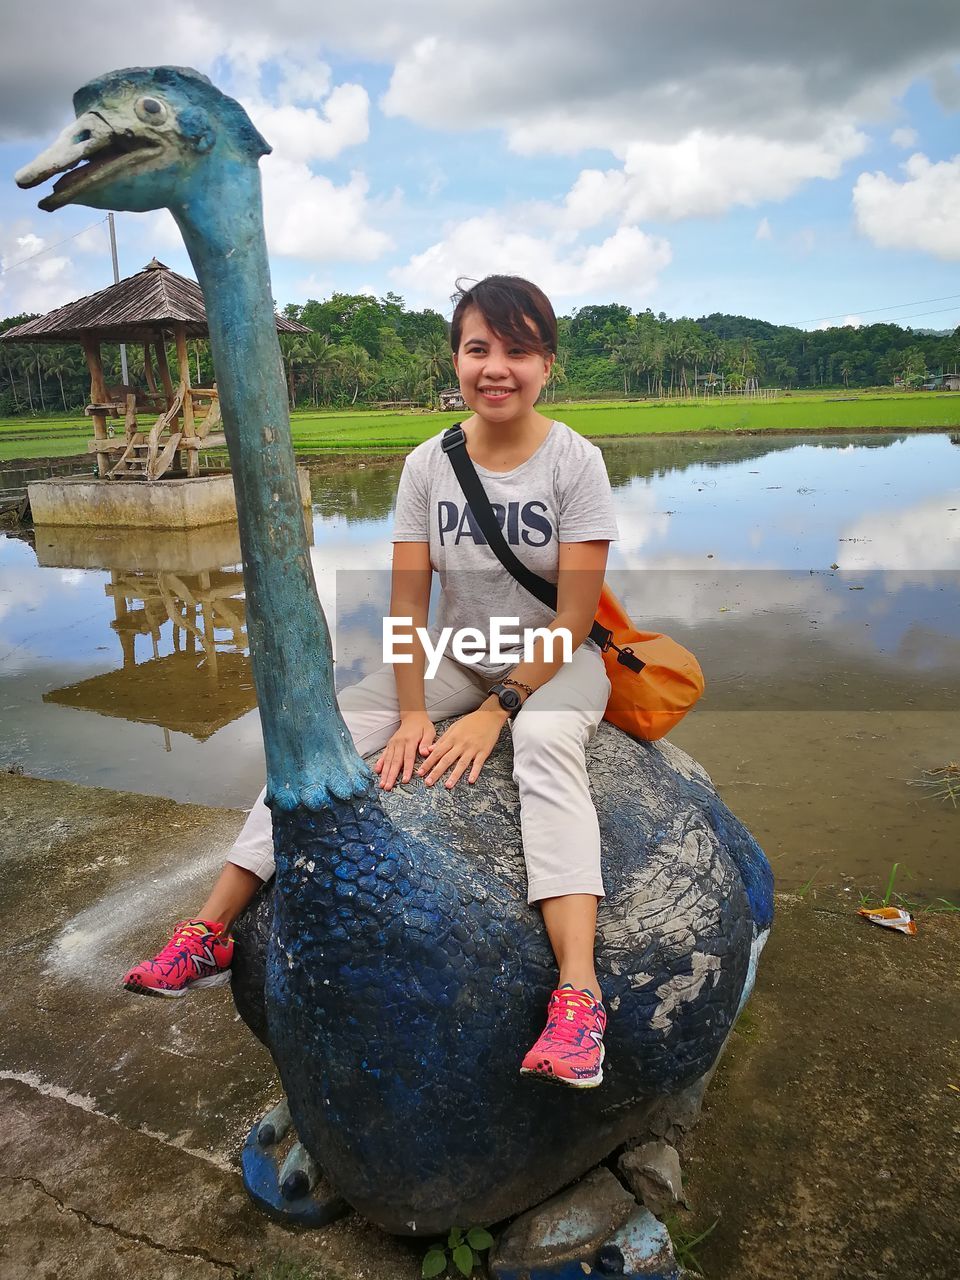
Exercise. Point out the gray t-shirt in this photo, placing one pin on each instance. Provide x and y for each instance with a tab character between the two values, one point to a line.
560	494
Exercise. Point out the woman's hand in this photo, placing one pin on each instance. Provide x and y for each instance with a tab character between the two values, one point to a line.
416	733
465	745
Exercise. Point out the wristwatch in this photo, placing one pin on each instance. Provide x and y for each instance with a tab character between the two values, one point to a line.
509	699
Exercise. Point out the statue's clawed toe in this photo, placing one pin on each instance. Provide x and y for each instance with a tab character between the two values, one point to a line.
282	1178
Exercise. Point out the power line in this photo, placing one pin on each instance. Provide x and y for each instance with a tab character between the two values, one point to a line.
894	306
49	247
918	315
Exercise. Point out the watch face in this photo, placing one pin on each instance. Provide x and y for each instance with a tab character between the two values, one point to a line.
509	699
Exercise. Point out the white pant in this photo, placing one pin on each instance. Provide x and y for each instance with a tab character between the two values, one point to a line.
558	823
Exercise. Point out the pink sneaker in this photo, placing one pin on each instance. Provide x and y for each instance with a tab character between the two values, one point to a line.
198	955
570	1049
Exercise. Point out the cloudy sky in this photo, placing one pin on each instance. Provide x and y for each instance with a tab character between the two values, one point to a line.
793	162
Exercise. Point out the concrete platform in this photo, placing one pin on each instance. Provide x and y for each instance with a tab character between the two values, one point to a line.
178	503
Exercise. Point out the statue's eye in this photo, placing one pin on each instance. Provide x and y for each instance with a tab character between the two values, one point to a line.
152	110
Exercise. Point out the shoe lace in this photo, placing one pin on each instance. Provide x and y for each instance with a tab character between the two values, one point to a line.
571	1029
178	943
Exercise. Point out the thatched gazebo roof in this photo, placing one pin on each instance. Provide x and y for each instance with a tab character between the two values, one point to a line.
134	310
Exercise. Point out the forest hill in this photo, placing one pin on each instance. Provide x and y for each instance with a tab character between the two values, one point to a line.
365	350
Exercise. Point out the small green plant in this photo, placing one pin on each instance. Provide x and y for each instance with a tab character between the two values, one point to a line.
805	888
686	1243
893	897
940	784
464	1250
746	1025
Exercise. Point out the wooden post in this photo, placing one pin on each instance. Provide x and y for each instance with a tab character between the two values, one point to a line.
98	396
183	360
148	369
164	369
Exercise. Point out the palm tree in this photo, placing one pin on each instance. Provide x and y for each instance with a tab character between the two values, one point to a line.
23	363
12	379
57	362
35	355
558	374
321	362
354	364
295	351
436	363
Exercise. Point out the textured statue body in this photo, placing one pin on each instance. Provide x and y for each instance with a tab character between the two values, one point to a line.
394	968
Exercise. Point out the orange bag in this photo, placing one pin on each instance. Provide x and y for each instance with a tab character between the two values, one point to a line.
654	681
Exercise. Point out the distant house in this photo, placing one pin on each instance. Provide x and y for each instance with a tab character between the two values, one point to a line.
450	398
942	382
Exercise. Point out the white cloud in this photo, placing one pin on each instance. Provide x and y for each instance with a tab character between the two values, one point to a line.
44	281
764	231
305	134
925	536
705	174
626	262
918	213
904	137
308	216
848	322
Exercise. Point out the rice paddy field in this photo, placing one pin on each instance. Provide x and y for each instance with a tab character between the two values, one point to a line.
382	432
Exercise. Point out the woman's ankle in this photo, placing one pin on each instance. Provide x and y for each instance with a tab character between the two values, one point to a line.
582	982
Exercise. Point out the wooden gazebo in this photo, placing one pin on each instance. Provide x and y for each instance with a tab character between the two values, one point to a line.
165	418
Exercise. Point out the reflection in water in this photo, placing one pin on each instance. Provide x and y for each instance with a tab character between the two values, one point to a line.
195	676
817	577
356	491
204	683
654	455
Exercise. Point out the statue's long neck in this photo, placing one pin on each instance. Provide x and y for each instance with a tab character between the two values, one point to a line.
309	753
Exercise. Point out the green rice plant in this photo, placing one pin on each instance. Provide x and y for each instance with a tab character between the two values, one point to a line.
686	1243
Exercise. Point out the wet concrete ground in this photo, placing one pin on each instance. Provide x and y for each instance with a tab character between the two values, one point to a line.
828	1147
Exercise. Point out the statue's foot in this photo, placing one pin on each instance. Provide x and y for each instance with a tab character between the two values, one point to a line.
281	1177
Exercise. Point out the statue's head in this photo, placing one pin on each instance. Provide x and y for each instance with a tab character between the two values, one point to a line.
141	137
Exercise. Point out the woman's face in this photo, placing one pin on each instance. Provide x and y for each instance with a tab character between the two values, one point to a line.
499	380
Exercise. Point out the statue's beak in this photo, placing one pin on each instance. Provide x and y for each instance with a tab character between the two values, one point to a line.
91	137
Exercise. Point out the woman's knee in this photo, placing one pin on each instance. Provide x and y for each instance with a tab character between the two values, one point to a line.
546	733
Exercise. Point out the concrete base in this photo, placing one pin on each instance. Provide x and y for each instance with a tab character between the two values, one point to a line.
139	504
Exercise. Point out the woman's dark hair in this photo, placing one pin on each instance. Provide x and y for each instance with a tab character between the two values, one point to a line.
509	305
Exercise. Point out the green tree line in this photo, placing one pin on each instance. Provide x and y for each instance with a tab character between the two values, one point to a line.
365	350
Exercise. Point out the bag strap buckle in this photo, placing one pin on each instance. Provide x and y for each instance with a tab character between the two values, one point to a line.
627	658
601	636
453	438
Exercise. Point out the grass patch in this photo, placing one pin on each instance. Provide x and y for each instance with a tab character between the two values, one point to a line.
892	897
687	1243
324	431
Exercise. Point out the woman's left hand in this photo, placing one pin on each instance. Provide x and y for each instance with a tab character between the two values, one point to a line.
465	745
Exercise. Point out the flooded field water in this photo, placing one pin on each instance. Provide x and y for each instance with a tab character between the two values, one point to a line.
817	579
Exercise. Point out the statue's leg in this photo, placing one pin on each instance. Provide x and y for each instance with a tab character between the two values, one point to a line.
282	1178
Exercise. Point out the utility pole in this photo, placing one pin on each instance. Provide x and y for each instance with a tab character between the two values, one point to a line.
116	280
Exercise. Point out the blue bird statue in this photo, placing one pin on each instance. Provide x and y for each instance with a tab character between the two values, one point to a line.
394	967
